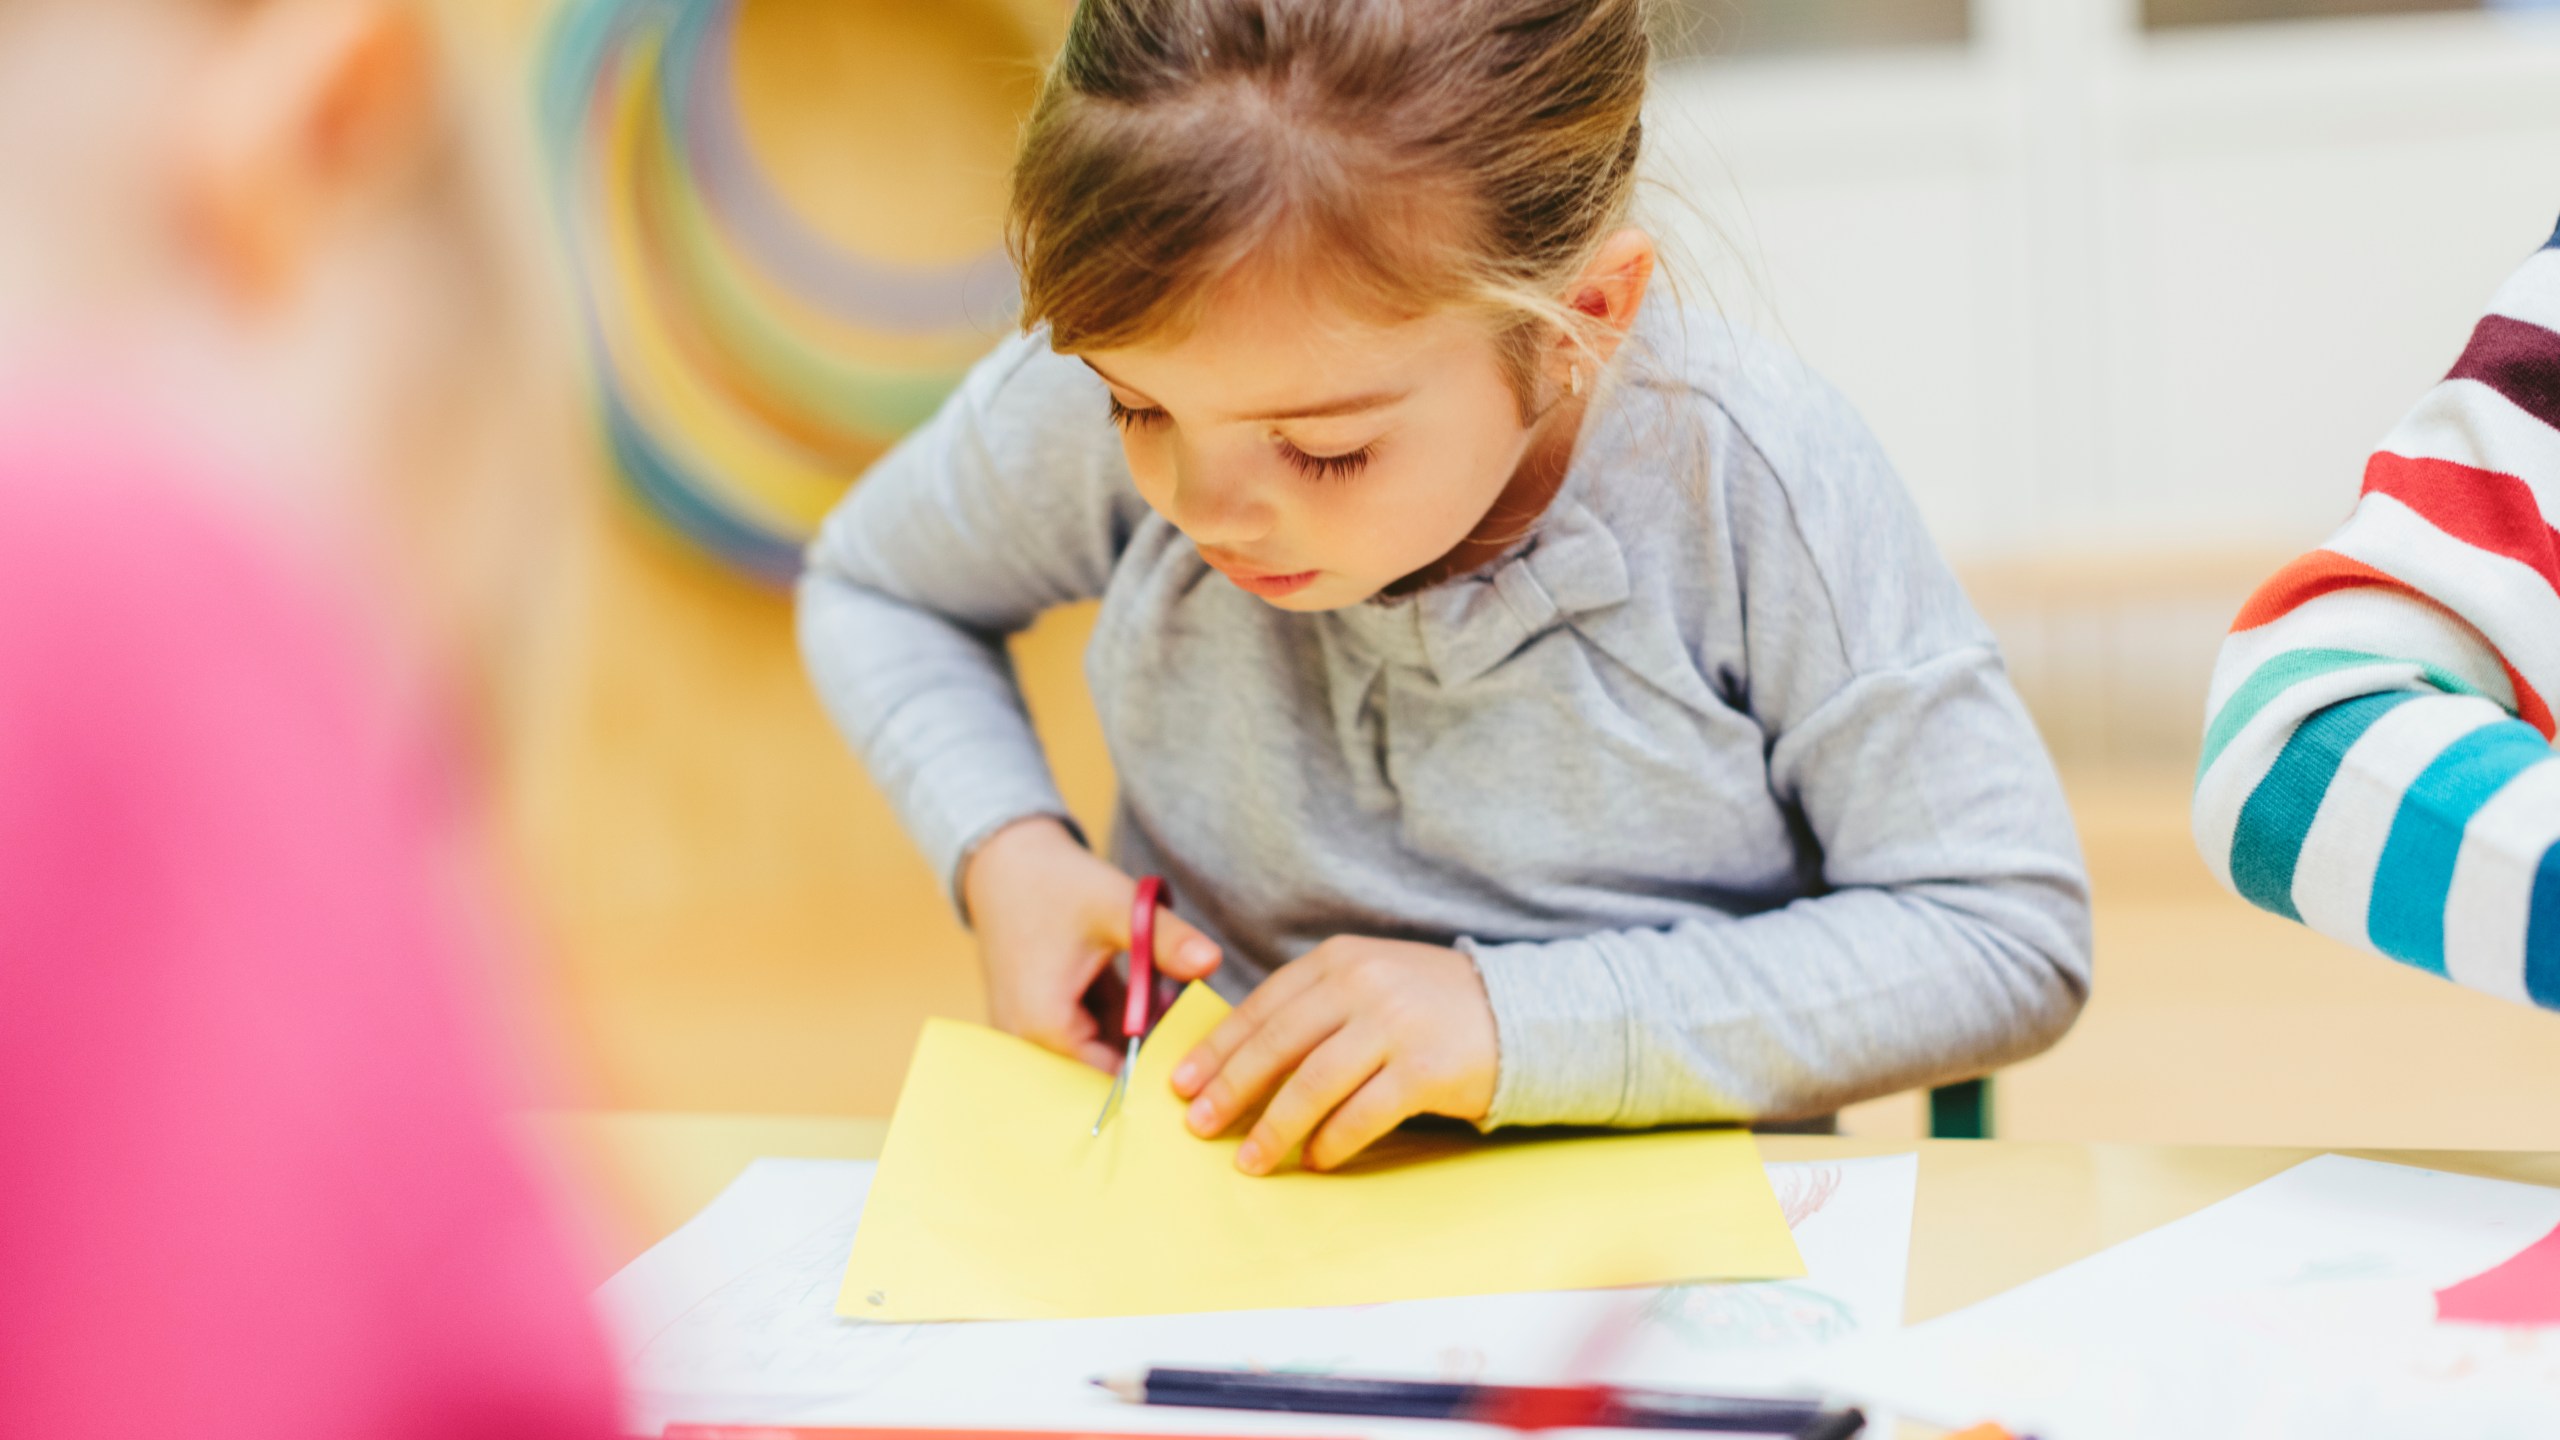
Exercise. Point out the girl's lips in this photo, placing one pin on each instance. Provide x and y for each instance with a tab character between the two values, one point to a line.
1268	585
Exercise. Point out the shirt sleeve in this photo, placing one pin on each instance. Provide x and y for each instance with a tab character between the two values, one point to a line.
2377	759
1947	928
1013	499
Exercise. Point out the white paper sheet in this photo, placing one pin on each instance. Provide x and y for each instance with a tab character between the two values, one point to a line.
730	1319
2302	1307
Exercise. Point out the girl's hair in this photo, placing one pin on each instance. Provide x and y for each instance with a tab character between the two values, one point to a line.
1397	155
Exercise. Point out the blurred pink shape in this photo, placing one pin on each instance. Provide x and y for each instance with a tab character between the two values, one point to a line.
2525	1290
252	1182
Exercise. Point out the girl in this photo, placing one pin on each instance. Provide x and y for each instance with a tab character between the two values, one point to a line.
1543	699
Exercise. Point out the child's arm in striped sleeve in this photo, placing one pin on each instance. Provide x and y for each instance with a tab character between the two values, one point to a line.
2378	763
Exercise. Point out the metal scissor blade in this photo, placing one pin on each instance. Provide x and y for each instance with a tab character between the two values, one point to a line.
1119	1088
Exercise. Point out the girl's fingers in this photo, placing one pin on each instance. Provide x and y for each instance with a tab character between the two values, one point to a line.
1274	1048
1088	1047
1182	952
1105	1058
1343	1064
1105	1001
1089	1042
1209	1058
1077	1035
1375	1108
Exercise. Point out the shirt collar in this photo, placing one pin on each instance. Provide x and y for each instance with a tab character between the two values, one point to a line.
1474	623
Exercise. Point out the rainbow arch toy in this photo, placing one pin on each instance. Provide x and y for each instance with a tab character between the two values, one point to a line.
748	367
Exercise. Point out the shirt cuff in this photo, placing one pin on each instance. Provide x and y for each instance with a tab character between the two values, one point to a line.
1560	1020
968	797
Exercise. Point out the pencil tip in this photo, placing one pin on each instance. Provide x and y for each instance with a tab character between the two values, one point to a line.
1125	1384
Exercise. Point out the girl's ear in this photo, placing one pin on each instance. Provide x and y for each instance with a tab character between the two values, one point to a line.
1609	290
305	111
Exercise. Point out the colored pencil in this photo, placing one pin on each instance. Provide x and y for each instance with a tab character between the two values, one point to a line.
1519	1407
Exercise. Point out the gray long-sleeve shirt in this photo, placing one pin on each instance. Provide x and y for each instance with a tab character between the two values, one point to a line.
1717	777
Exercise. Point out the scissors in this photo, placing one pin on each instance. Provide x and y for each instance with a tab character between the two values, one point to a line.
1137	1017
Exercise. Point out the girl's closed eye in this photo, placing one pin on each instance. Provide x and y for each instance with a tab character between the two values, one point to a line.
1341	465
1135	417
1328	467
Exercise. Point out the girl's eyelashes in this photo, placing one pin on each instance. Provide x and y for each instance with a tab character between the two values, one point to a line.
1328	467
1130	417
1320	467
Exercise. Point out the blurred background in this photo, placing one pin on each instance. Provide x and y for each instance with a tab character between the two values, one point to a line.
2128	287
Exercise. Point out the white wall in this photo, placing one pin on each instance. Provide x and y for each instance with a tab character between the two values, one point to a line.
2113	299
2097	289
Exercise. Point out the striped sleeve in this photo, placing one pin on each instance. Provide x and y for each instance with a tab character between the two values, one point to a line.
2378	758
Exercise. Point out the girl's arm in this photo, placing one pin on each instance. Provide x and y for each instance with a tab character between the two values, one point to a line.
1008	502
2378	763
1949	933
1953	938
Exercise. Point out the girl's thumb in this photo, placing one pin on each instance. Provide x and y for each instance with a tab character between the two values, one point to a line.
1182	952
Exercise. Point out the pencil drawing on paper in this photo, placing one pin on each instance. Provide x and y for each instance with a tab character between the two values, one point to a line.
752	1326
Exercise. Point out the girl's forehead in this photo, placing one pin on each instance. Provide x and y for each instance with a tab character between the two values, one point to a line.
1258	350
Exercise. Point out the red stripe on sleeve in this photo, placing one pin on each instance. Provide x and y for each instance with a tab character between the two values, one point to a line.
2480	508
2307	579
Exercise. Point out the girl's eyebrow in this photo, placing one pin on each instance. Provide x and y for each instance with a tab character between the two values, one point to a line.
1347	405
1323	409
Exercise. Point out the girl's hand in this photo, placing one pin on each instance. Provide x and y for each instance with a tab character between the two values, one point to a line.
1365	1033
1050	914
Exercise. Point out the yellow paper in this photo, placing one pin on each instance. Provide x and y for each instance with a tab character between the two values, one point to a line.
994	1201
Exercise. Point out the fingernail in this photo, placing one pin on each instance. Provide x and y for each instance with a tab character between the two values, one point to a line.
1182	1074
1200	1114
1249	1156
1198	952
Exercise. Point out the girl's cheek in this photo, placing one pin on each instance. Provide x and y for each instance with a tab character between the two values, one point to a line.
1150	470
1426	499
1375	523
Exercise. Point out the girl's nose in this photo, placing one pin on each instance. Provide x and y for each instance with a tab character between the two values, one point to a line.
1218	504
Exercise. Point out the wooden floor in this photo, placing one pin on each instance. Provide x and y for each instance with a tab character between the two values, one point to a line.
738	924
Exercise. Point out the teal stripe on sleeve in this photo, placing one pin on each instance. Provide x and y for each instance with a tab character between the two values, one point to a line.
2266	844
2282	672
2542	934
2406	919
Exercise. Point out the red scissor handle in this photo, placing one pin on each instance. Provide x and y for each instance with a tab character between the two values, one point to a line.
1152	896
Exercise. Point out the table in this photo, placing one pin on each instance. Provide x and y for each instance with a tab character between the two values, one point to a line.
1991	1213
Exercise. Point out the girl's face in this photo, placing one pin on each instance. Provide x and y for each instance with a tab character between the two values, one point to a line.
1315	458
